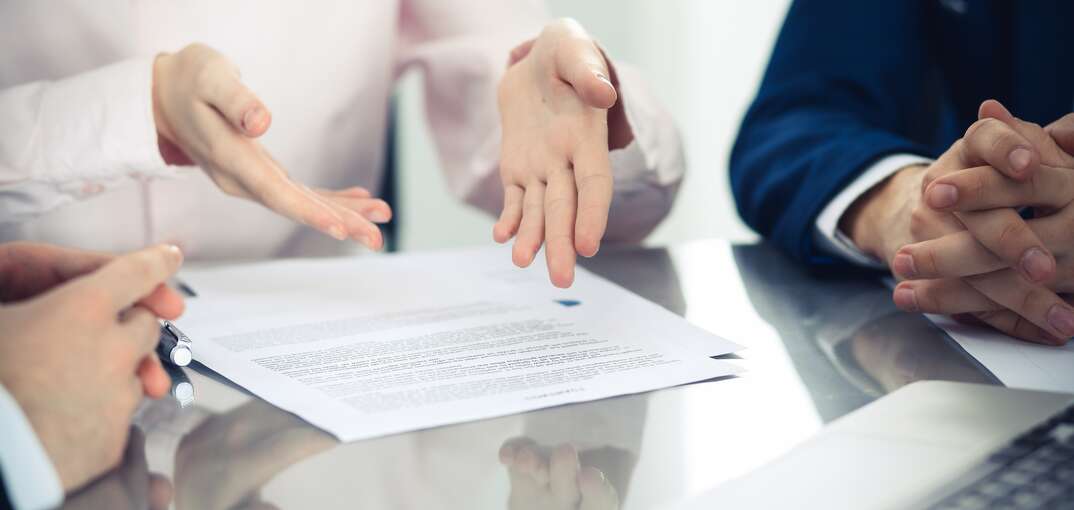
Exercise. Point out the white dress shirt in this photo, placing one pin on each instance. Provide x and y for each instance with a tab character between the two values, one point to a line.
835	242
79	163
30	479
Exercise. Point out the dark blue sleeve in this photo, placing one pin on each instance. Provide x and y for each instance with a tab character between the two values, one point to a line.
5	503
834	100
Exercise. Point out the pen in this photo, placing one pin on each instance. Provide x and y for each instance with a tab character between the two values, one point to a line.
174	346
182	389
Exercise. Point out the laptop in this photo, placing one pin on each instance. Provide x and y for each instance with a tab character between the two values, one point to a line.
928	445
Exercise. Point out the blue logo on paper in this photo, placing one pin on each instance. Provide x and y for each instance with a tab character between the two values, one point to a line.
568	302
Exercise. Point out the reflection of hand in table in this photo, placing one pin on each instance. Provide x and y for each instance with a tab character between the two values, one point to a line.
556	479
129	486
225	461
896	351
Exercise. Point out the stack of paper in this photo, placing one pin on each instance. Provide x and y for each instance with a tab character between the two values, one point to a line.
368	346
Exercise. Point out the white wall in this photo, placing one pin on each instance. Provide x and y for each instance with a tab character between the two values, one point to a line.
703	59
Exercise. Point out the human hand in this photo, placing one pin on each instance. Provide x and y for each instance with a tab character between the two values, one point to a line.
560	115
554	480
70	357
29	269
206	116
130	486
957	273
224	462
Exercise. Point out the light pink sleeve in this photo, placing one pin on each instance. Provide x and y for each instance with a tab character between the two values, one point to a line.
64	140
462	46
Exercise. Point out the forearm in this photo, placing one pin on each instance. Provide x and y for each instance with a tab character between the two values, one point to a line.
65	140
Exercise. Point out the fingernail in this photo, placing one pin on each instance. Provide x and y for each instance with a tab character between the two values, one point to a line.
903	264
942	195
337	232
175	252
906	299
1062	319
602	77
1020	159
1036	264
252	118
379	216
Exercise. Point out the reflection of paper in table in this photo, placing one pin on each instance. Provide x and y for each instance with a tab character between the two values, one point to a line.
369	346
1015	363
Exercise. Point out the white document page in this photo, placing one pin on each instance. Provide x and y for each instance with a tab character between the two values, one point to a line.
1015	363
368	346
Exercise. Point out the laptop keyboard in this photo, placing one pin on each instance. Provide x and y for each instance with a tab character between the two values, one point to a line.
1036	470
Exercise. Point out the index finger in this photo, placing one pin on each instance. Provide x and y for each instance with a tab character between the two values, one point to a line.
593	177
982	188
131	277
990	141
994	140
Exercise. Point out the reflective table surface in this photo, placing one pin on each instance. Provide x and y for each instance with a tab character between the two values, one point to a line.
817	347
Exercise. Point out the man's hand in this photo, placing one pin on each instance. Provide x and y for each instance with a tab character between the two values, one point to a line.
130	486
1010	148
206	116
947	270
29	269
71	358
558	108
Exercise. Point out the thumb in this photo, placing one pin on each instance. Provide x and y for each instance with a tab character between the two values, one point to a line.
129	278
1062	132
995	109
224	90
580	63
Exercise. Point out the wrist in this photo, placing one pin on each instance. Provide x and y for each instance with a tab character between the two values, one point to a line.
878	221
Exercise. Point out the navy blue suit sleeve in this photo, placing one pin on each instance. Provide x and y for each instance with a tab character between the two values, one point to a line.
5	503
834	100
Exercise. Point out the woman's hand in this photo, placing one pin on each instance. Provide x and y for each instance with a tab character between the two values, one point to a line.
558	108
206	116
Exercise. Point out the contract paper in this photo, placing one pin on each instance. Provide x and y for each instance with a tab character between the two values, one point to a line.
1015	363
369	346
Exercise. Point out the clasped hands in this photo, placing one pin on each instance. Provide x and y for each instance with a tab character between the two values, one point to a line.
957	233
559	112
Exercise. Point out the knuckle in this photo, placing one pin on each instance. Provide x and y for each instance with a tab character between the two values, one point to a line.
560	206
143	267
927	298
980	128
93	304
920	221
205	78
1031	299
928	261
1012	232
1000	142
977	186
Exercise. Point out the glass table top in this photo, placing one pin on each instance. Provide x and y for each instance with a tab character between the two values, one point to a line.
817	347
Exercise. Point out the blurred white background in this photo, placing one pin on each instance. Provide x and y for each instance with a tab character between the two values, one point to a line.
702	58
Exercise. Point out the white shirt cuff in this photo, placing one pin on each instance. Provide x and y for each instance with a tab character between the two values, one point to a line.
30	478
826	229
